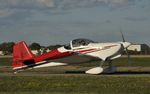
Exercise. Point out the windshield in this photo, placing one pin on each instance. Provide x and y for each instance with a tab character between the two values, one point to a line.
67	46
81	42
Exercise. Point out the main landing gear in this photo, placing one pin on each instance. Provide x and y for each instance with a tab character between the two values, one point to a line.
99	70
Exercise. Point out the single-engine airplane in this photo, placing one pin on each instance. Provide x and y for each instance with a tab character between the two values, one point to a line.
78	51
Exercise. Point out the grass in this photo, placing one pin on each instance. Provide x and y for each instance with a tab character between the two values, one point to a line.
141	61
5	65
74	84
5	61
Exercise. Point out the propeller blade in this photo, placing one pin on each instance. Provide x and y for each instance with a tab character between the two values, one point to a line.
125	48
123	39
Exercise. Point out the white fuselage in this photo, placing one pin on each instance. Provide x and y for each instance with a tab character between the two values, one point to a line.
90	52
100	50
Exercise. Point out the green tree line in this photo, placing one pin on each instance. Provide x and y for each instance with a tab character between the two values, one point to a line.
7	47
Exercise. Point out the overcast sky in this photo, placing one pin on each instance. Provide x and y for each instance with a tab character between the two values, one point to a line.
59	21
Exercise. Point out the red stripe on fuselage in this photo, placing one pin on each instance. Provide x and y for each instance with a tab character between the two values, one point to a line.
87	50
94	49
54	54
107	47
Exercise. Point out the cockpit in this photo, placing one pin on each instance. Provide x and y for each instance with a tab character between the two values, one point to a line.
81	42
78	43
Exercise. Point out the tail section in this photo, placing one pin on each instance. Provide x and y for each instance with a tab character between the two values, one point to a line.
22	56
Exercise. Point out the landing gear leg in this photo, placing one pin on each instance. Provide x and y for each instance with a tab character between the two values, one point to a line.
110	69
110	65
101	63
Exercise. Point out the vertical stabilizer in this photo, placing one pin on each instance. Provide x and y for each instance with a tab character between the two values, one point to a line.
21	54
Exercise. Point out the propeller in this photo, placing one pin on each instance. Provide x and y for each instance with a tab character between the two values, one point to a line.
123	39
125	45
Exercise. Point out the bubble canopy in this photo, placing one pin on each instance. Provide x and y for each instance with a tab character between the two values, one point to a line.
79	42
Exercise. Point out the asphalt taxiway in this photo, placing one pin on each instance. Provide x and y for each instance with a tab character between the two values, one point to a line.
116	74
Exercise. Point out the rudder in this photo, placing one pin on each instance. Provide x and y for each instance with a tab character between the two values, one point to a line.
21	54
